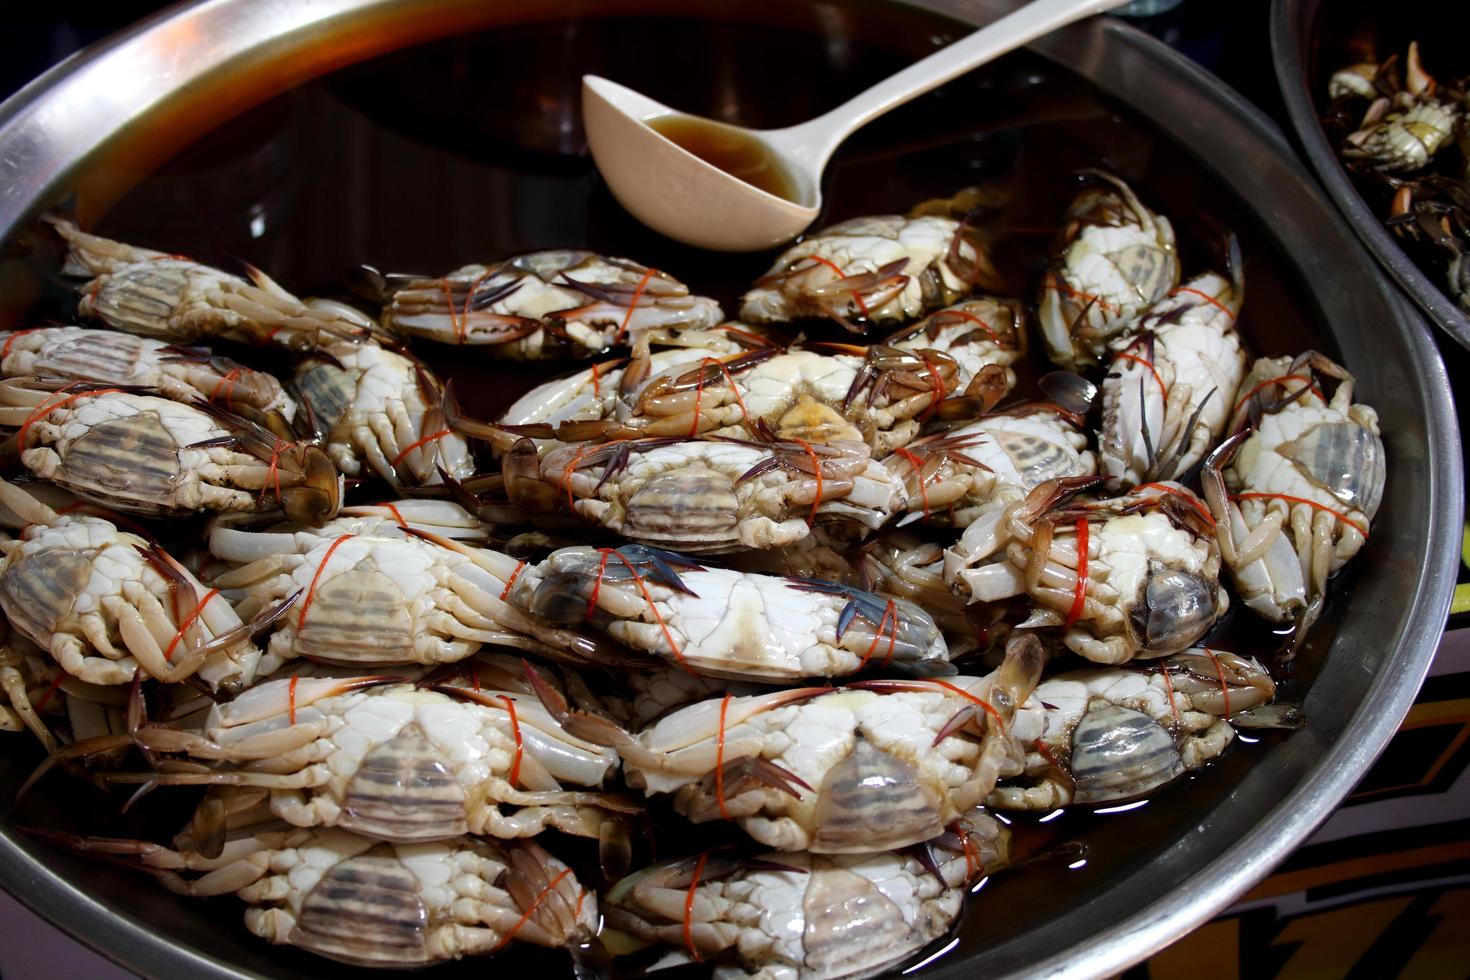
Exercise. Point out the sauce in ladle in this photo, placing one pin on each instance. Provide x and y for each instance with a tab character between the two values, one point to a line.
728	149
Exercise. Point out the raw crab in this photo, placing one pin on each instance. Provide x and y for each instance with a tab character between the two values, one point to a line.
967	477
870	767
371	904
980	333
880	395
1169	392
741	625
184	374
1136	576
180	300
1115	258
552	304
375	592
604	391
1303	483
709	496
106	603
148	455
881	269
1403	129
1117	733
388	760
381	407
806	916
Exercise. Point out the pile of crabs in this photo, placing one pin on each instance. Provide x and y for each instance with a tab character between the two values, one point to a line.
859	601
1408	134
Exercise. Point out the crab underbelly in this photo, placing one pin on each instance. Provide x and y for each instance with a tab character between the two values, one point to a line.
359	617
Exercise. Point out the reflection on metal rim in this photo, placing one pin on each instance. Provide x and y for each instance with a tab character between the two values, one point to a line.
1291	34
1388	635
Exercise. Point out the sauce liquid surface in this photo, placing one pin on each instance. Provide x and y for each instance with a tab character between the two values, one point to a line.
470	150
729	150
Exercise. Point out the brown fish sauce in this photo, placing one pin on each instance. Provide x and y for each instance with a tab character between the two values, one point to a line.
382	162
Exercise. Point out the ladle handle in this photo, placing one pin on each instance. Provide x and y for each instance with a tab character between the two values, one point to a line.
822	135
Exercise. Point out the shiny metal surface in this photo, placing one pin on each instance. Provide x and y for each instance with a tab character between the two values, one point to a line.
1385	637
1292	31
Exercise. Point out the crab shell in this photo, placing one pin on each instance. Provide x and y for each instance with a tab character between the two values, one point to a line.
880	269
550	304
1152	572
1118	733
371	904
972	473
157	295
831	916
399	763
858	770
112	358
1320	467
603	392
723	623
1169	392
374	593
877	396
151	456
1406	139
1115	258
707	497
380	407
977	332
87	593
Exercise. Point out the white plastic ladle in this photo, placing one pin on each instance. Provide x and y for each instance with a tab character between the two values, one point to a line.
682	196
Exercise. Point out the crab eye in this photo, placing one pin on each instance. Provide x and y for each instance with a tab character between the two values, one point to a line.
1177	607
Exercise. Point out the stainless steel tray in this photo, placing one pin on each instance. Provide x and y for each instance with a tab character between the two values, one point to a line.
1383	639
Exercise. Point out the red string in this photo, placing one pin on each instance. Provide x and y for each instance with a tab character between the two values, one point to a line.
857	297
1079	595
1280	381
1052	282
1310	503
817	468
51	690
720	761
510	582
9	341
414	445
1220	673
1190	498
311	592
918	473
689	908
1169	687
633	304
46	408
187	622
981	702
227	383
526	915
964	315
939	390
1206	297
1126	356
515	728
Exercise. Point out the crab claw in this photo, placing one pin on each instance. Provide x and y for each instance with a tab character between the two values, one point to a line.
316	498
581	724
714	794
